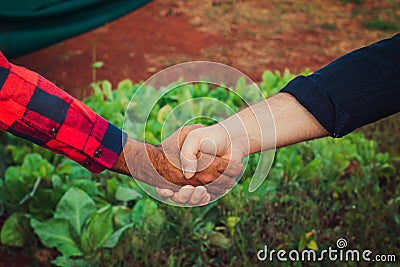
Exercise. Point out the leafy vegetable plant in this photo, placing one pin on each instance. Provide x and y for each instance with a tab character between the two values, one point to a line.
315	193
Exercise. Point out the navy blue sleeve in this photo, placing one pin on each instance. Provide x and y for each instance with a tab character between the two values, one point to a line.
356	89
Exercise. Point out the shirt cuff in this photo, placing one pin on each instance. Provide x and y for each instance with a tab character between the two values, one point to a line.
315	100
356	89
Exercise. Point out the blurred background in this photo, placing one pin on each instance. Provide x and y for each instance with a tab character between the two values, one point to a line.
316	193
250	35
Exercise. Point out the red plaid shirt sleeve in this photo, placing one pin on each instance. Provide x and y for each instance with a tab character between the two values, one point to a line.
35	109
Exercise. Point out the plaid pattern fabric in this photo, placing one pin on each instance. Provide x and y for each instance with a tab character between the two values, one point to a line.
35	109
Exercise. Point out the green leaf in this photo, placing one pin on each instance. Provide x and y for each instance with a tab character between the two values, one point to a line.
54	233
44	202
312	169
217	239
78	172
56	181
18	153
3	192
204	89
387	170
98	64
231	223
220	93
302	244
340	163
36	166
14	181
150	138
107	89
163	113
114	238
12	232
97	230
97	97
312	245
240	86
124	86
75	206
269	78
112	186
147	212
126	194
64	167
142	209
68	262
88	186
122	216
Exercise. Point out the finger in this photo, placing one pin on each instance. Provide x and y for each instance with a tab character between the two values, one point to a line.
198	195
184	194
224	181
185	130
229	167
204	160
176	139
165	193
212	197
205	200
208	146
171	146
188	154
215	190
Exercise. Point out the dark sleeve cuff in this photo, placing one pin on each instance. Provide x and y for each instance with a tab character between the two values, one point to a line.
112	144
314	100
356	89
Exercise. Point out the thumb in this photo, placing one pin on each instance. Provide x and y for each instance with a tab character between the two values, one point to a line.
188	156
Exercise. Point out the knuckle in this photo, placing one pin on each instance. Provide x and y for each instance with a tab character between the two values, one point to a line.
191	136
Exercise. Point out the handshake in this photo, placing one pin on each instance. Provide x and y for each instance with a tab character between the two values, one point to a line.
196	164
186	167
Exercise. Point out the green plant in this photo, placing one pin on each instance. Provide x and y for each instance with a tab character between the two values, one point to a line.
78	228
316	192
358	2
382	25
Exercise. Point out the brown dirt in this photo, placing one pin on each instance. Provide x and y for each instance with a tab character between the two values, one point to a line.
250	35
16	257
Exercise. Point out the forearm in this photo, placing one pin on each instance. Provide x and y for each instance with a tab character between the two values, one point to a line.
35	109
293	122
356	89
275	122
139	160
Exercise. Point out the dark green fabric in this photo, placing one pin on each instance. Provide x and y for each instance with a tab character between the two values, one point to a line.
28	25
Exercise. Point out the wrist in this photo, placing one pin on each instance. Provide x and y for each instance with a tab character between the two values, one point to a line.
252	129
139	160
121	166
133	155
293	122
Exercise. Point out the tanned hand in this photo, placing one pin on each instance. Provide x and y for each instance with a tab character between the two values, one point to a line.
159	165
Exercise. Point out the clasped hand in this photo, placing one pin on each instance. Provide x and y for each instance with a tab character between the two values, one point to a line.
161	166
